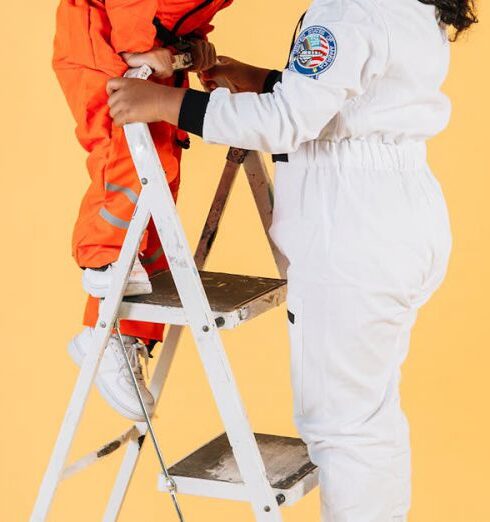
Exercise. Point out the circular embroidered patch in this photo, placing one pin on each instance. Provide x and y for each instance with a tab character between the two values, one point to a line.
314	52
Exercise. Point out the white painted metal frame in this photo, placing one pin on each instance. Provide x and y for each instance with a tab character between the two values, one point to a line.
237	491
262	190
156	201
178	316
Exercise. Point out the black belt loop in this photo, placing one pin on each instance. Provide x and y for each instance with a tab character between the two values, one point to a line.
280	158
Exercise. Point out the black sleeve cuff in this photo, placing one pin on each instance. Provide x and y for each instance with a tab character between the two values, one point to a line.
272	78
193	111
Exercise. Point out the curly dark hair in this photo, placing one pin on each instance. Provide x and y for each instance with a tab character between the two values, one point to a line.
459	14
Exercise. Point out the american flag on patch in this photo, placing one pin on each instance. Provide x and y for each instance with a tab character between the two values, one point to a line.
314	51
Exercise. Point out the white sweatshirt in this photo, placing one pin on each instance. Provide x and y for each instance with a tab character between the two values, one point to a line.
360	69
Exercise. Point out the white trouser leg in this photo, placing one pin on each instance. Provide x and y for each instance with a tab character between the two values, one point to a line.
345	364
368	239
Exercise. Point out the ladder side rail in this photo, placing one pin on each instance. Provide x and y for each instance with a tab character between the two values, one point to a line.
108	314
263	192
169	347
216	213
202	324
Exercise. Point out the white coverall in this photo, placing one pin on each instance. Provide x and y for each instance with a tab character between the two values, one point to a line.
364	225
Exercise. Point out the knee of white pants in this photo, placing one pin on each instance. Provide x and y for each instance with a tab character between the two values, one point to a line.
345	372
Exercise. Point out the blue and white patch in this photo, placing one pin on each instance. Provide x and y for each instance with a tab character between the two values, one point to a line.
314	52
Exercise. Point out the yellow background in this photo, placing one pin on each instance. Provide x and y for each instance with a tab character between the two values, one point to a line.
446	385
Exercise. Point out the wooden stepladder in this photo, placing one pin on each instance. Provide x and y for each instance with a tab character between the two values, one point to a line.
265	470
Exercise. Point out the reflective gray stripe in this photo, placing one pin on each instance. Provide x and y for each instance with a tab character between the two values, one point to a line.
113	220
154	257
130	194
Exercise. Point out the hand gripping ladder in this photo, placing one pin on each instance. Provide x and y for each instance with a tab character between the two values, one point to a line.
265	470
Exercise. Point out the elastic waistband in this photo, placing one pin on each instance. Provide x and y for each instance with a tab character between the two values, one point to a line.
366	154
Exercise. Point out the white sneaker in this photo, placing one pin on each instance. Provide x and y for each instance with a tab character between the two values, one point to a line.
97	282
113	378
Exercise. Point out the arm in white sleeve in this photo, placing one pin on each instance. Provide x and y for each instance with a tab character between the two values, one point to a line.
348	46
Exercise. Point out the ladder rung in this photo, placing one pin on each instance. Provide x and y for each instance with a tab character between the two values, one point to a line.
100	453
211	471
234	299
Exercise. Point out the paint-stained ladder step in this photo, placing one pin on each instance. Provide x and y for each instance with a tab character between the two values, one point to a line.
211	471
234	299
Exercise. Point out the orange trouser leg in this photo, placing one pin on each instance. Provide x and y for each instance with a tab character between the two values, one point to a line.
106	212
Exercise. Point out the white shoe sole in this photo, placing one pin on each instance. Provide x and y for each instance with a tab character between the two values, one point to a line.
132	289
77	356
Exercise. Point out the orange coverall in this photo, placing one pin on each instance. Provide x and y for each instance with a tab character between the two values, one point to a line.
89	37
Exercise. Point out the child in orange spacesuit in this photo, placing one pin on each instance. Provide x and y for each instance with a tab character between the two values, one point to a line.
96	40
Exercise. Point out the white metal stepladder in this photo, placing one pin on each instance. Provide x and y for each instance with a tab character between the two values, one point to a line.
267	471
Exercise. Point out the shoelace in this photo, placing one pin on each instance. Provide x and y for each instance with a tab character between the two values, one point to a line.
135	351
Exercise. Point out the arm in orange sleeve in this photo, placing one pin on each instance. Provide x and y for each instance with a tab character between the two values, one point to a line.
132	24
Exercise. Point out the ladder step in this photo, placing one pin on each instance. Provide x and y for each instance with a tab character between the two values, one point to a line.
234	299
211	471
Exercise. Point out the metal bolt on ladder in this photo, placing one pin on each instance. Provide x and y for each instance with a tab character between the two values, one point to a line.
265	470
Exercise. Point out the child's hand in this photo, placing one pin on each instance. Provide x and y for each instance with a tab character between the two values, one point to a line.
132	100
203	55
159	59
